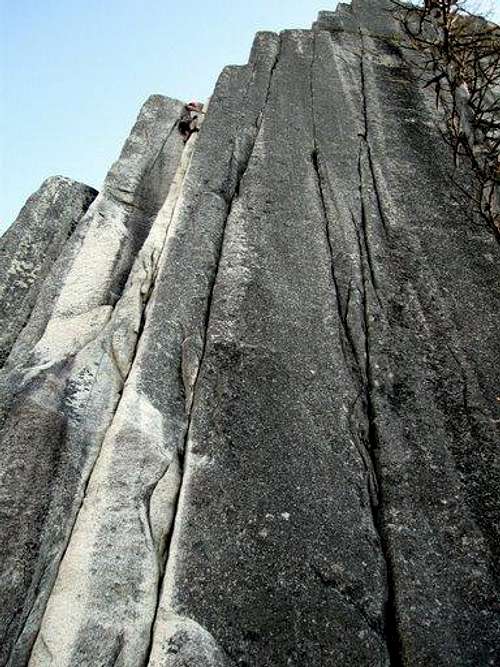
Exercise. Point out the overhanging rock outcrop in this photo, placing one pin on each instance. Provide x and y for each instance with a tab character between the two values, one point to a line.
252	418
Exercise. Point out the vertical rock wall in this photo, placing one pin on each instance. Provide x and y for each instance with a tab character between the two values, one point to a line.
30	247
251	420
63	379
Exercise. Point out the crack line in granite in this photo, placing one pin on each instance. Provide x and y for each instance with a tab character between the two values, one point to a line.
366	134
370	460
373	444
183	455
345	333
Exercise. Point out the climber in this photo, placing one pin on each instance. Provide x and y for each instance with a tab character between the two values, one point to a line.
188	123
437	6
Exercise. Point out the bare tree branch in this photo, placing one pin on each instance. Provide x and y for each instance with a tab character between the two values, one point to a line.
460	58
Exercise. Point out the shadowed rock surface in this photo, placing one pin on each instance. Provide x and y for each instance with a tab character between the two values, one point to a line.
253	418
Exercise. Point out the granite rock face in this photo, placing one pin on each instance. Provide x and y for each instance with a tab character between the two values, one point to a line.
252	418
62	381
30	247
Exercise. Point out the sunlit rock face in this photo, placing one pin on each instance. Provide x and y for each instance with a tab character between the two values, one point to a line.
248	417
30	247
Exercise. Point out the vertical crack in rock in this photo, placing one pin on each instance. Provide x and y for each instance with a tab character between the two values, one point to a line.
369	283
366	135
376	495
345	334
365	144
183	453
258	120
181	461
364	222
159	154
369	458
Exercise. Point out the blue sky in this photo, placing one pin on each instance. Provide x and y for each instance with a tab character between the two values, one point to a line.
74	73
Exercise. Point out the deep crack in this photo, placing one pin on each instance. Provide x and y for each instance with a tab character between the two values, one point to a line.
364	223
373	443
370	441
